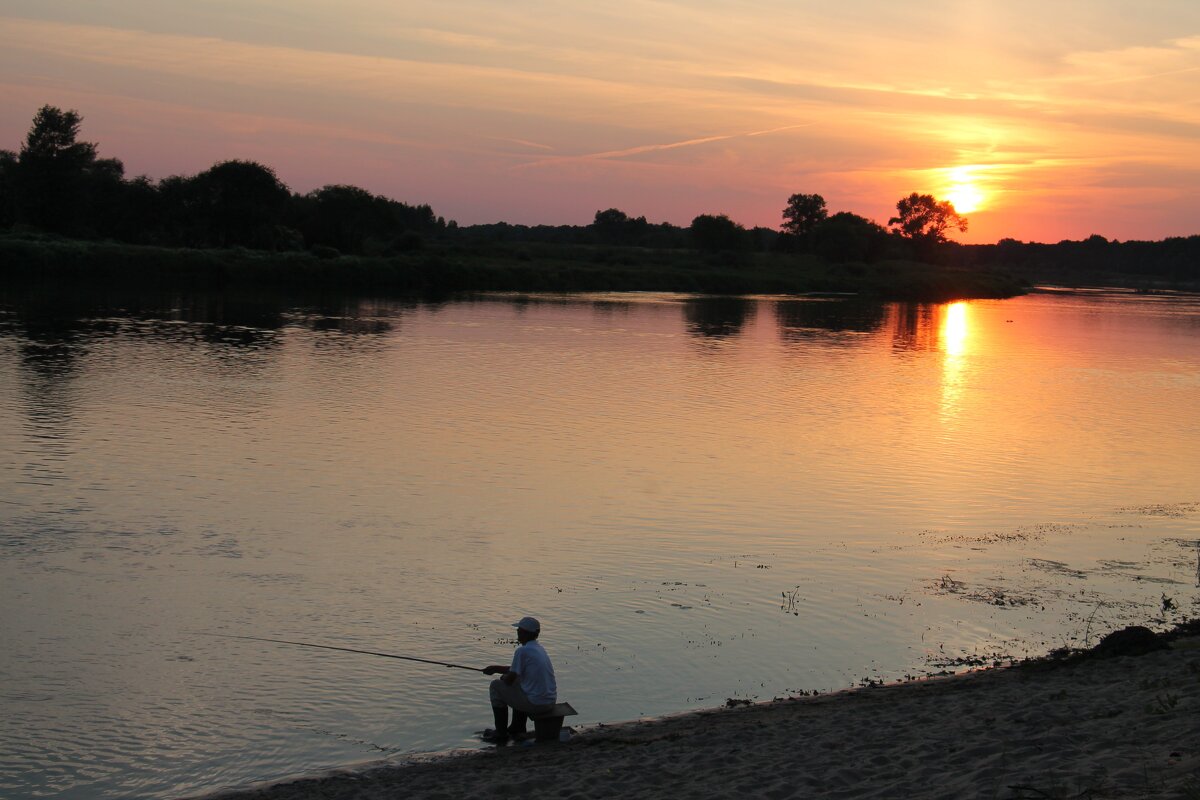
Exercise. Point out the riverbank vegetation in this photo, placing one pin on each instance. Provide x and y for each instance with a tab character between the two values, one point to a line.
68	214
440	267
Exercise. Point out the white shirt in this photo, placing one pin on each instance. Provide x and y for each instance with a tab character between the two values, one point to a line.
536	673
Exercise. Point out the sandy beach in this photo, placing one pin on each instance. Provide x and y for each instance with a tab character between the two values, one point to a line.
1096	727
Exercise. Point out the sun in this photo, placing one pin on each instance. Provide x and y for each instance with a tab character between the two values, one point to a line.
964	192
965	197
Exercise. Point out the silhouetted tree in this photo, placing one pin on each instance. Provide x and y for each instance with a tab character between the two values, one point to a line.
240	203
716	233
8	188
53	171
803	213
763	239
614	226
343	217
609	224
105	195
177	215
847	237
664	235
415	218
923	219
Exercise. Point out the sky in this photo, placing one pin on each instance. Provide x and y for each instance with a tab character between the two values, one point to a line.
1042	121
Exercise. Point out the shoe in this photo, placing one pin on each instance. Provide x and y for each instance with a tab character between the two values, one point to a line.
517	729
495	737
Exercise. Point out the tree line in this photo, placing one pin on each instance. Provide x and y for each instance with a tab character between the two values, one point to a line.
1175	260
60	185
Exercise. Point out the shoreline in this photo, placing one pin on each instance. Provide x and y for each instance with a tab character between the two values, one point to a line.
444	269
1080	726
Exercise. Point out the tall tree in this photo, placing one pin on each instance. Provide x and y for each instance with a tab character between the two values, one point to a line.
925	220
52	139
53	170
803	213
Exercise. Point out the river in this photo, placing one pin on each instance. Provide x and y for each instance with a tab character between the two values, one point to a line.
701	498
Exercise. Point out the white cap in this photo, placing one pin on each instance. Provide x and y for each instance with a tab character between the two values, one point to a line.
529	624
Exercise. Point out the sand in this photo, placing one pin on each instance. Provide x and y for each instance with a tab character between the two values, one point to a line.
1097	728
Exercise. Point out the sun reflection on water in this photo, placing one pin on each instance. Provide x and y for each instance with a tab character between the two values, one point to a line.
955	330
955	340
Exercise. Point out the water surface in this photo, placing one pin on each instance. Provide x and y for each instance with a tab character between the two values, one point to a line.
701	498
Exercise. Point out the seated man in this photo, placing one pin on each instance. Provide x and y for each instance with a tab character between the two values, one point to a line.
527	687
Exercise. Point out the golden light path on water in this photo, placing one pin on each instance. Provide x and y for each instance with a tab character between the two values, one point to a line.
955	336
955	329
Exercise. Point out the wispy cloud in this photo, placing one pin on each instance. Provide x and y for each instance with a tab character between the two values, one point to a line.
521	142
612	155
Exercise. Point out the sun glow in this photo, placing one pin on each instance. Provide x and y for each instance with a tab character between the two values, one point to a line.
965	198
963	191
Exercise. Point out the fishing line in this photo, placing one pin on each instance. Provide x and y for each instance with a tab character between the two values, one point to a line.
343	649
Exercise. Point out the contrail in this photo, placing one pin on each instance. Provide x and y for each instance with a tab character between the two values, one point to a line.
651	148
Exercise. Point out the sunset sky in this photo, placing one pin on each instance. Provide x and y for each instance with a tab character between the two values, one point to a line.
1059	118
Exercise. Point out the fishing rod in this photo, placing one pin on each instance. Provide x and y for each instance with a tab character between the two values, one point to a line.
344	649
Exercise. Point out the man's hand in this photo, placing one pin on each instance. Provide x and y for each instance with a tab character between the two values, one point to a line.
494	670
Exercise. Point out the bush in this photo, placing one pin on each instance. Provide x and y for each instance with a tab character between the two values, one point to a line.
408	242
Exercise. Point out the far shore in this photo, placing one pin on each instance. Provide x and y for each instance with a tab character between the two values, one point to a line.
1086	726
446	269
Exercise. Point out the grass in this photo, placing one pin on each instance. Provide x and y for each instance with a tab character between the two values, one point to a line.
444	268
